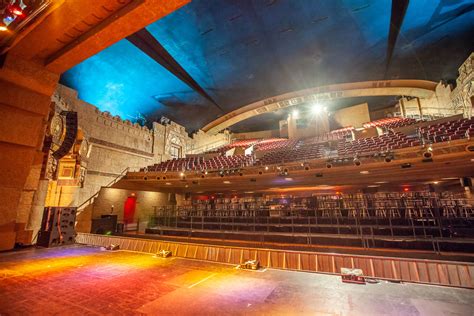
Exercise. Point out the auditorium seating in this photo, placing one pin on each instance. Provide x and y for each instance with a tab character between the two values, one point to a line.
390	122
275	144
342	132
242	143
446	131
385	218
200	163
385	142
282	150
298	152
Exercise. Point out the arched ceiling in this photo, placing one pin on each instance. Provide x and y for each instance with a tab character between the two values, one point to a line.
214	56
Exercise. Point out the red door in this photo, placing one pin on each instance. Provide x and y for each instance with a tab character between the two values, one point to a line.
129	209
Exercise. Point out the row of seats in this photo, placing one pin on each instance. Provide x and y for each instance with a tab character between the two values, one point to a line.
199	163
384	142
275	144
390	122
281	150
241	143
447	131
299	152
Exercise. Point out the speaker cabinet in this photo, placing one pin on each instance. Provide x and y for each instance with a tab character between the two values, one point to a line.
107	224
57	227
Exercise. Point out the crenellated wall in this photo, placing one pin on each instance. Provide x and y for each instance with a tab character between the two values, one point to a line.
109	145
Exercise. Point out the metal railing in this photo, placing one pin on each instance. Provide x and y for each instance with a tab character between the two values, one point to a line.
84	204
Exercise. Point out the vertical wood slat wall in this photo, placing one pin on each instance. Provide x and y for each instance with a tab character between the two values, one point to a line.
456	274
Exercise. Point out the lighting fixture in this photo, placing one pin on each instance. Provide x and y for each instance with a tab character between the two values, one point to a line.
364	172
266	168
226	182
316	108
16	7
168	183
289	179
295	114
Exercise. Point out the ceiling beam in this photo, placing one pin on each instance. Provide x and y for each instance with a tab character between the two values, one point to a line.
148	44
399	9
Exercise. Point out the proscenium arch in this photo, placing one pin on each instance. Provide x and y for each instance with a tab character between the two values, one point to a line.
415	88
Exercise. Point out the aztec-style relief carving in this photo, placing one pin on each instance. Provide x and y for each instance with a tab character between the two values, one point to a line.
463	94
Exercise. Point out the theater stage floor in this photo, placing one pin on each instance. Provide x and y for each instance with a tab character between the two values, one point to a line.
80	280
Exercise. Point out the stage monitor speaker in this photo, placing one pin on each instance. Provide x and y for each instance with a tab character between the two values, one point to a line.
57	227
107	225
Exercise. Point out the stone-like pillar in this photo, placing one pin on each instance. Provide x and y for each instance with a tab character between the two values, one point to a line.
25	98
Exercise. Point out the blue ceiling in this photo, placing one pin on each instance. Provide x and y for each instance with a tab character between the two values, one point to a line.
243	51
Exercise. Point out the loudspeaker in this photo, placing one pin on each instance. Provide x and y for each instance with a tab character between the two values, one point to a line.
466	182
57	226
71	134
107	224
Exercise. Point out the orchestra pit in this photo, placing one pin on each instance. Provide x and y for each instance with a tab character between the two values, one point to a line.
218	157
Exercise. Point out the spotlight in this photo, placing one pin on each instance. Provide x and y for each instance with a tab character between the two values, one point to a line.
295	114
163	254
388	159
3	27
249	265
205	172
16	8
316	109
356	162
266	168
427	154
306	168
182	174
112	247
329	165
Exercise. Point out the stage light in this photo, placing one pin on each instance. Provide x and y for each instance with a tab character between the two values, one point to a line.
364	172
163	254
16	8
406	189
3	28
182	174
316	108
226	182
435	182
266	168
295	114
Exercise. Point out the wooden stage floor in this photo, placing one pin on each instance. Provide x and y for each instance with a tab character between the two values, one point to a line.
84	280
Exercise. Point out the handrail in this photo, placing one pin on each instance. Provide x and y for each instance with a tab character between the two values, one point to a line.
115	180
